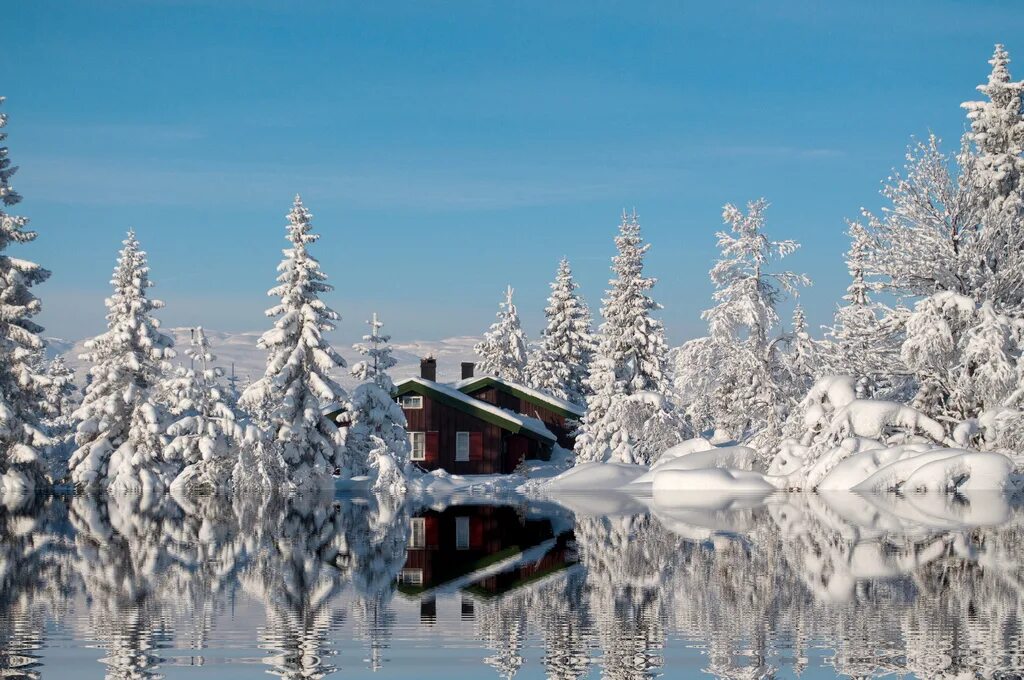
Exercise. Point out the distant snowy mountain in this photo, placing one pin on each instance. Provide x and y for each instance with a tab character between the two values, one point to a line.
249	360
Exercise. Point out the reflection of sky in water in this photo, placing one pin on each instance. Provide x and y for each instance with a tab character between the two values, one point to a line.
818	586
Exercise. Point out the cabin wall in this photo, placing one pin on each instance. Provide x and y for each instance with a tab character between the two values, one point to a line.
446	421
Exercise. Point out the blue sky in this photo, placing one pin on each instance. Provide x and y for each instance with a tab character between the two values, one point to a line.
448	149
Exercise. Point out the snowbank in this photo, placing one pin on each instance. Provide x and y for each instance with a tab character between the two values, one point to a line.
595	477
709	479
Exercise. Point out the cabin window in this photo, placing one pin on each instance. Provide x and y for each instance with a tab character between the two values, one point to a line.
417	532
418	445
411	577
461	447
462	533
410	401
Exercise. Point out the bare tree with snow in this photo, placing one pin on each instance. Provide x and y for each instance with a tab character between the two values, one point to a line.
742	350
298	383
126	362
22	438
503	351
561	364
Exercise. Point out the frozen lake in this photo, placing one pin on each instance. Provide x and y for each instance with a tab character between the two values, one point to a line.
577	586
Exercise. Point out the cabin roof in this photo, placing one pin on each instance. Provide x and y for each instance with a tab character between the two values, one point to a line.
562	407
503	418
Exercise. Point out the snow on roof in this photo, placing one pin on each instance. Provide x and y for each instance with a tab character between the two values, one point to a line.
527	391
534	425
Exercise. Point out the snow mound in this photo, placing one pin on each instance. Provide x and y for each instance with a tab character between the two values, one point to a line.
595	476
705	479
694	445
732	457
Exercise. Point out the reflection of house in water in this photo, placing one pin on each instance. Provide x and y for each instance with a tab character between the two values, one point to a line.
484	551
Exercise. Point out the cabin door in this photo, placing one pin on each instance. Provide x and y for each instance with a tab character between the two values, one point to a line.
518	447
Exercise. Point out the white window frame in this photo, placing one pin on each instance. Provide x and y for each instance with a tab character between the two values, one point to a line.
411	577
417	532
417	446
462	445
413	402
462	533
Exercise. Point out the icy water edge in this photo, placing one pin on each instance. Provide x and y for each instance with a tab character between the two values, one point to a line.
474	587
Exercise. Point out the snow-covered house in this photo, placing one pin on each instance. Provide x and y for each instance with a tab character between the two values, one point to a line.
481	424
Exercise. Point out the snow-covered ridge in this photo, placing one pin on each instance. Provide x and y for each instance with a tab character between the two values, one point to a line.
240	349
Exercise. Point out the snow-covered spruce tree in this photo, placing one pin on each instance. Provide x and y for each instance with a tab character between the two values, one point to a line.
125	363
749	395
297	382
628	370
997	133
201	440
21	435
502	352
804	358
861	344
376	442
561	364
58	406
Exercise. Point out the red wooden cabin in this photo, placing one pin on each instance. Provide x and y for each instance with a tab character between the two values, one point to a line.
480	426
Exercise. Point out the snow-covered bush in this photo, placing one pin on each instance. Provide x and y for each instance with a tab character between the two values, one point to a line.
503	351
298	381
964	356
125	363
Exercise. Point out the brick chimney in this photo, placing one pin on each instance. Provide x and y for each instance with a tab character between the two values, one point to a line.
467	369
428	368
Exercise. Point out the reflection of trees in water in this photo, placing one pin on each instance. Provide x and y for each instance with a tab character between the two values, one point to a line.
32	578
565	624
753	586
296	569
122	560
376	536
627	561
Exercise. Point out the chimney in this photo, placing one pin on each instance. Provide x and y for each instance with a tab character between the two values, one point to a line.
467	369
428	368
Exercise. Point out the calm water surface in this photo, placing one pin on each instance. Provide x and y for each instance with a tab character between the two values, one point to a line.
582	586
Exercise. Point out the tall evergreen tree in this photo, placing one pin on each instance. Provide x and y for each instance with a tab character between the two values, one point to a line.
630	359
997	133
126	362
562	362
21	436
503	351
298	382
377	441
